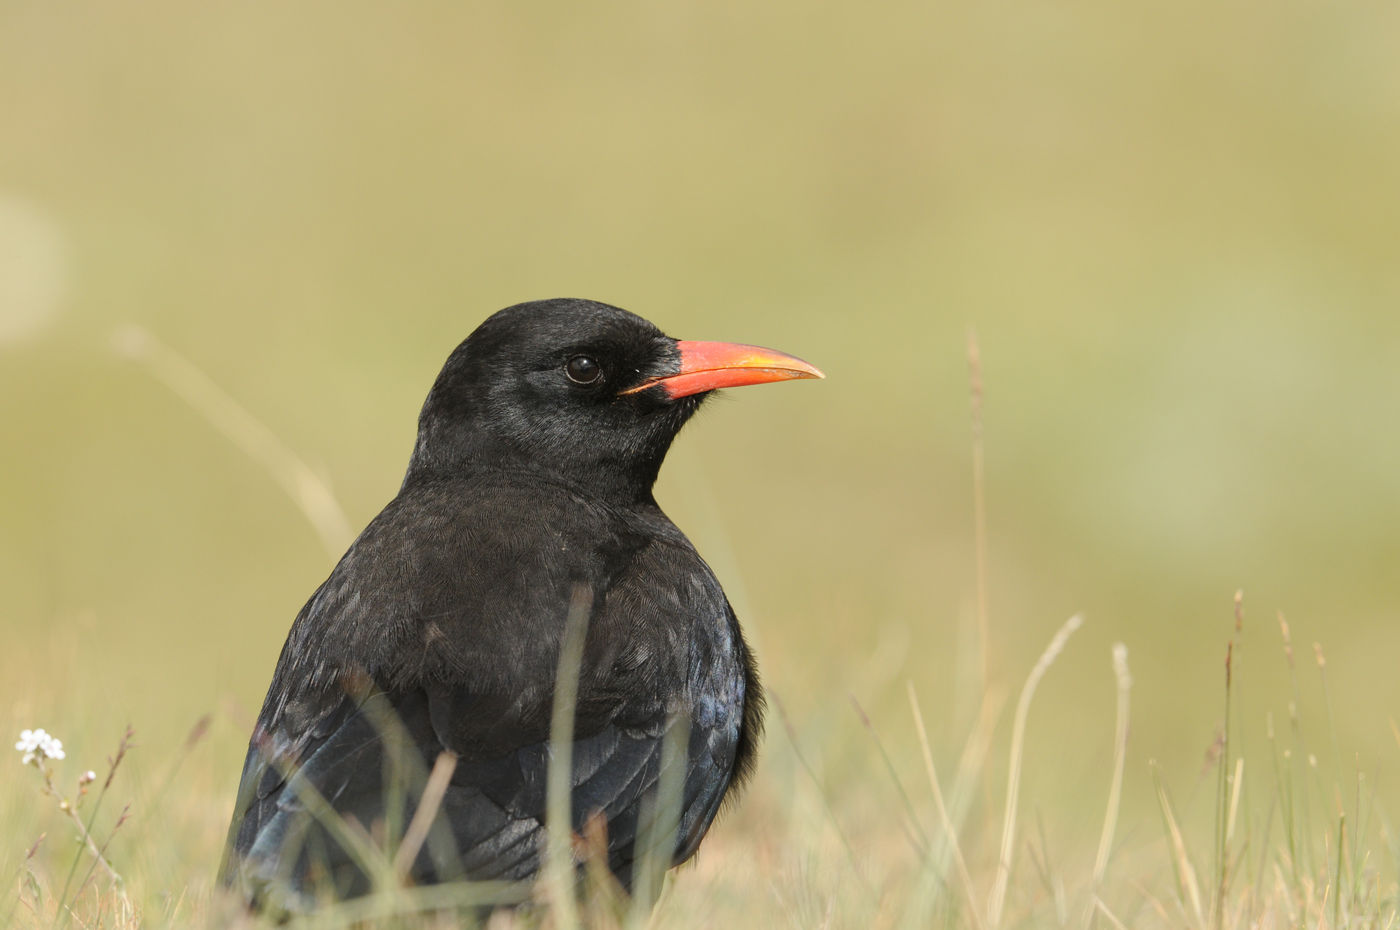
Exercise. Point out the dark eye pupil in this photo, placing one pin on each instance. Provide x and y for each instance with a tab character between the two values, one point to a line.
583	370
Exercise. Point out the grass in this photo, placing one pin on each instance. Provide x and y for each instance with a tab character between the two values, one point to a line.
1273	855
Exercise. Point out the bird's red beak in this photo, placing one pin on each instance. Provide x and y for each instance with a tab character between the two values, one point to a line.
706	366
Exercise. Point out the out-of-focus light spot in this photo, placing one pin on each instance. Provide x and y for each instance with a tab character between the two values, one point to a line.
34	269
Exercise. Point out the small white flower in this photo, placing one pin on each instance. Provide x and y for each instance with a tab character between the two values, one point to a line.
39	743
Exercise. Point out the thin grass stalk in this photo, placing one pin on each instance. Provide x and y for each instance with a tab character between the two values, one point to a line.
914	831
1187	887
1236	864
1222	802
949	830
1041	860
1239	732
148	800
428	804
821	793
997	900
1283	782
1331	716
1235	791
603	895
350	834
559	860
85	833
661	814
1120	755
1288	894
97	853
1261	869
971	762
1103	909
1151	899
310	493
398	768
979	506
407	774
102	855
1360	825
423	899
1337	893
16	878
1304	809
959	800
1050	873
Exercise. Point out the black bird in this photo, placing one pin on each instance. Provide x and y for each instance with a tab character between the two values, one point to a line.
528	494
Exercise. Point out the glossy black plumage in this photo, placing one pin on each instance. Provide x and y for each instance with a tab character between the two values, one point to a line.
524	488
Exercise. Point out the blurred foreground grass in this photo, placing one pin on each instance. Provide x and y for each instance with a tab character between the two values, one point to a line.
1277	831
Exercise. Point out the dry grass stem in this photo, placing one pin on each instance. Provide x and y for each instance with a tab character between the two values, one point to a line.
997	901
979	506
949	830
1180	858
433	792
821	793
917	838
1235	790
1103	909
559	860
308	490
1120	754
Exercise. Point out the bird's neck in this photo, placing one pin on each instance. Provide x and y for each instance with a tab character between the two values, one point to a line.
618	488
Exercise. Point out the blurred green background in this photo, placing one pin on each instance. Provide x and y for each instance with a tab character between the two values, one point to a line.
1174	228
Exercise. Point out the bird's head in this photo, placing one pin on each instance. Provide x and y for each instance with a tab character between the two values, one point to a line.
579	390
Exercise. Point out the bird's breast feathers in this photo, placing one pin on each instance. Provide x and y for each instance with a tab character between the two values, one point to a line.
482	601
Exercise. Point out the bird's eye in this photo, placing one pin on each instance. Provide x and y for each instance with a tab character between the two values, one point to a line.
583	370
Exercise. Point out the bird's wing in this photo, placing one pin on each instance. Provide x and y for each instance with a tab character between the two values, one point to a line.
491	823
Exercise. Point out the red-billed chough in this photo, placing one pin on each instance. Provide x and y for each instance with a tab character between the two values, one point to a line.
529	490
